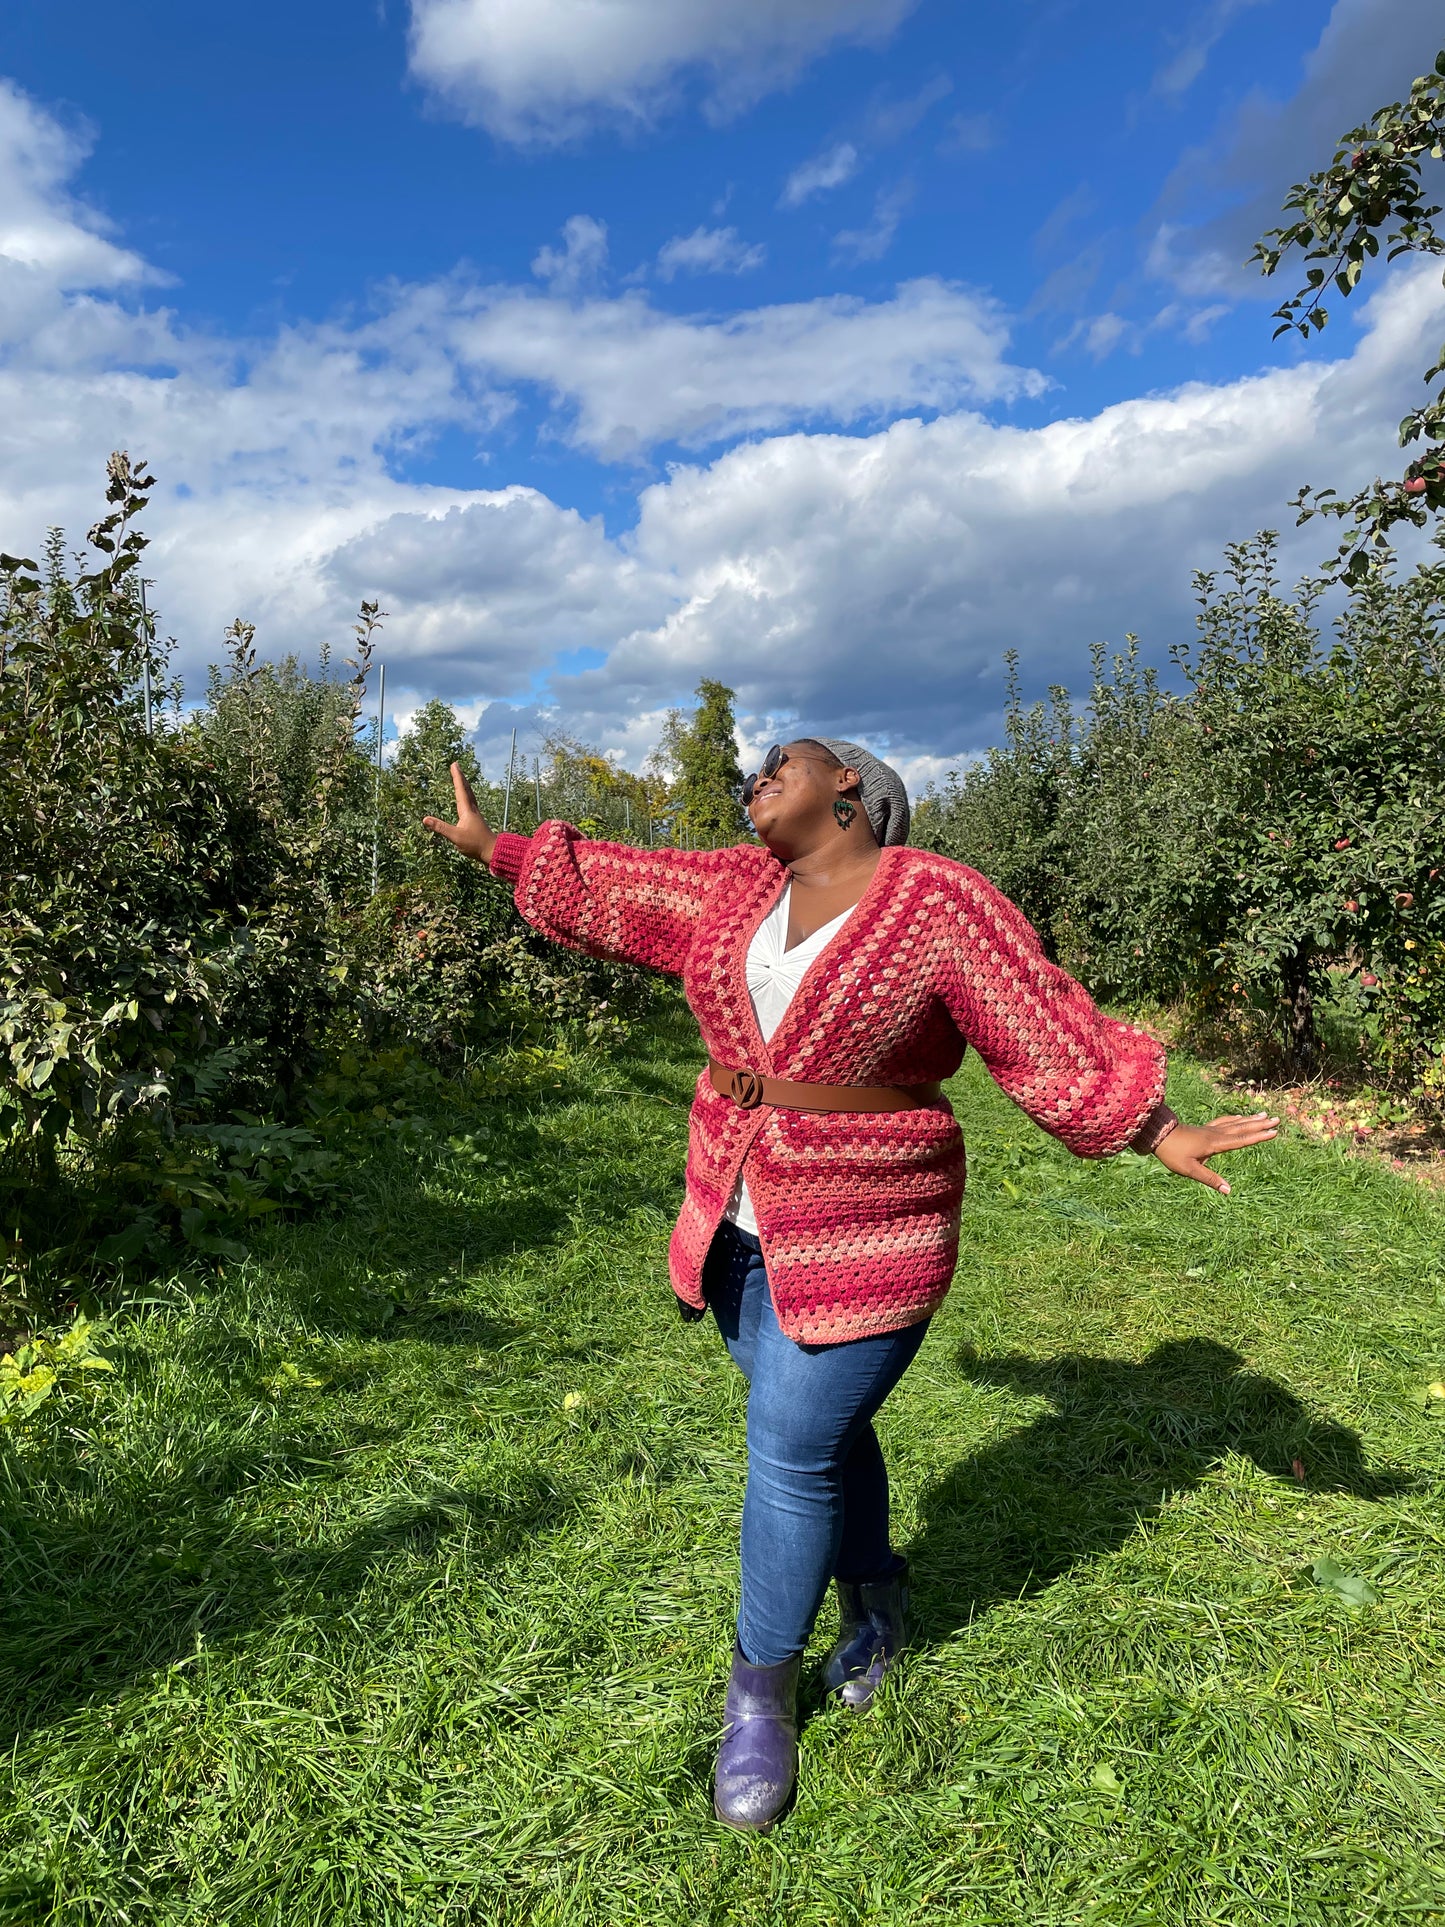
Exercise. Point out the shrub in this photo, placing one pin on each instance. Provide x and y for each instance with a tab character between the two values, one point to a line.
148	910
40	1370
191	928
1269	838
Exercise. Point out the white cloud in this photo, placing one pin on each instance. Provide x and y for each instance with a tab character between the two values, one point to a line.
631	376
872	242
278	497
820	174
886	121
871	583
1102	335
499	583
709	250
49	241
551	70
1099	335
863	583
580	261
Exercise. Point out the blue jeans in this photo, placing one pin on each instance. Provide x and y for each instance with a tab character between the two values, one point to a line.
817	1495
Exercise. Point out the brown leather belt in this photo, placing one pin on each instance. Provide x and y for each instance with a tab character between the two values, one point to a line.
748	1089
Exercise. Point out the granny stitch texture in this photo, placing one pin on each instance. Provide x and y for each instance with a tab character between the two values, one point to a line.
858	1213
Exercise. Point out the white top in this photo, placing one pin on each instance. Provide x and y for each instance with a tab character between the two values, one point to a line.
774	973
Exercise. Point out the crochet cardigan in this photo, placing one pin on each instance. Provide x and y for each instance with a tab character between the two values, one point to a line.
858	1213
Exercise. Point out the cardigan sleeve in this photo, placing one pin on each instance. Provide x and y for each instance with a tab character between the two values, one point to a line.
611	899
1089	1080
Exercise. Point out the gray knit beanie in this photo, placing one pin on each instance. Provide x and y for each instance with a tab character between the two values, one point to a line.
885	801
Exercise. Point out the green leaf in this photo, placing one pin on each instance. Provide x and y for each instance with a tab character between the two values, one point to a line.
1354	1591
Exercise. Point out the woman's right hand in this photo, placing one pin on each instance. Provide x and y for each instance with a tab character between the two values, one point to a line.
469	833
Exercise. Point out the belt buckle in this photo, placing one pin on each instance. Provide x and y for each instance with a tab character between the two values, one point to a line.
745	1088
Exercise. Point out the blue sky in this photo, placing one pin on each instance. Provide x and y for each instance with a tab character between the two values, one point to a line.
831	346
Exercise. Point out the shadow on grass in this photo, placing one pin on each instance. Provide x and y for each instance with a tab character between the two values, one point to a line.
493	1183
95	1593
1124	1437
101	1586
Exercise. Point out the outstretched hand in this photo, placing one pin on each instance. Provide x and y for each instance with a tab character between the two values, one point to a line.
469	833
1187	1146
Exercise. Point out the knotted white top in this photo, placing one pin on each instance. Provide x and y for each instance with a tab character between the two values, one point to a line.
774	973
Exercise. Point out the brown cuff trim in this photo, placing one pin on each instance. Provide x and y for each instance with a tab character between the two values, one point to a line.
509	853
1153	1131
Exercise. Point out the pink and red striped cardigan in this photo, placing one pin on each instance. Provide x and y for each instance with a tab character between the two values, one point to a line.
858	1213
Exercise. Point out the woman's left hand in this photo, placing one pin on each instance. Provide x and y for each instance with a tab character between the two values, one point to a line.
1187	1146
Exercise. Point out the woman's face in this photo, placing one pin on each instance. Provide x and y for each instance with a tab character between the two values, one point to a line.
800	794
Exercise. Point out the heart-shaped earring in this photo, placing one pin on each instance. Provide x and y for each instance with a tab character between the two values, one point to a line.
844	811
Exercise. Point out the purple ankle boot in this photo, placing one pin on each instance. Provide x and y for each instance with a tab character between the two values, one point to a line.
872	1632
758	1759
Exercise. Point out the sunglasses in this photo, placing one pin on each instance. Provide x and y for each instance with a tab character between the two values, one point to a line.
772	763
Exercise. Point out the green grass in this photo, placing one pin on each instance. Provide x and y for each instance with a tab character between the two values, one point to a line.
442	1636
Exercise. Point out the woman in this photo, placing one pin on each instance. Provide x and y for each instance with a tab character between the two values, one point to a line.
837	977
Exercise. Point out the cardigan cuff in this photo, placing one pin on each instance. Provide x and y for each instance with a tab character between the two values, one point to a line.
509	853
1153	1131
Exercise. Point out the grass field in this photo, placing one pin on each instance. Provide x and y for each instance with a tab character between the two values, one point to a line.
392	1579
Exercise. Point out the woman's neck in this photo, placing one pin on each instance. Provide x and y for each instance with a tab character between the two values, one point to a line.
833	861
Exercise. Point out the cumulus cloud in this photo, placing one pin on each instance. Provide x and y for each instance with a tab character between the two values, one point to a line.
874	582
709	250
487	591
862	583
50	242
630	376
820	174
869	584
551	70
